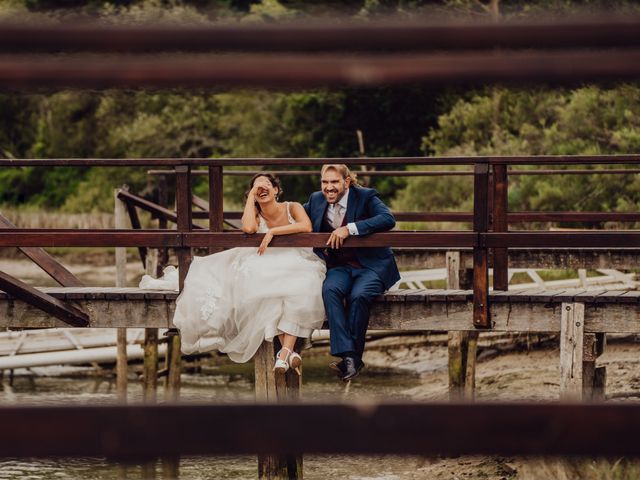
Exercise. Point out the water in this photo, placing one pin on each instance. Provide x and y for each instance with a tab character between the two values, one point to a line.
222	383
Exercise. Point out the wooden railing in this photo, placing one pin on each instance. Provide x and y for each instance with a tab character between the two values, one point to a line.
489	233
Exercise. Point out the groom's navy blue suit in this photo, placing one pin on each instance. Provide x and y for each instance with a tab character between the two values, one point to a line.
355	276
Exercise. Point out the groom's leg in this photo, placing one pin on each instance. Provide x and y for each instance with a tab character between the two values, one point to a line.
335	288
367	285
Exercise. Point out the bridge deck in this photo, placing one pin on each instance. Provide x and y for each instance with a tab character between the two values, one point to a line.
534	310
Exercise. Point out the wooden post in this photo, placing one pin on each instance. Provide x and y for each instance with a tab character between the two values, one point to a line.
121	281
588	365
121	335
571	351
183	211
600	373
171	465
457	341
481	317
272	388
216	200
163	201
150	376
462	346
500	224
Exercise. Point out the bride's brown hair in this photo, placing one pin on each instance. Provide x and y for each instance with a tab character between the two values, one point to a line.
275	183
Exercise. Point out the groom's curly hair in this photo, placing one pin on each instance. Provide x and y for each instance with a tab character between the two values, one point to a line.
275	182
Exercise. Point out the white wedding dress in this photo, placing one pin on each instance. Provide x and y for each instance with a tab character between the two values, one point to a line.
234	300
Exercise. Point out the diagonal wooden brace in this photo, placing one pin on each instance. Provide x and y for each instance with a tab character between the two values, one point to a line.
51	305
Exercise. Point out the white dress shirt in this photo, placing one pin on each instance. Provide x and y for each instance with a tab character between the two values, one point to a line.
337	211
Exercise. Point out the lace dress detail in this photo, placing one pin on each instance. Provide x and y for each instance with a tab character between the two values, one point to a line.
234	300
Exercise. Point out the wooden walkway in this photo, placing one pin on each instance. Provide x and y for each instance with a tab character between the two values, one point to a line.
534	310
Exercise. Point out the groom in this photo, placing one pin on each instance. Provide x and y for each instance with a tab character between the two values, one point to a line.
355	276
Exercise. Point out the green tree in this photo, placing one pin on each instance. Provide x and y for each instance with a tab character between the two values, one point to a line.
587	120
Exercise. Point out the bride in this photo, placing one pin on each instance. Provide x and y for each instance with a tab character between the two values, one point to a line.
234	300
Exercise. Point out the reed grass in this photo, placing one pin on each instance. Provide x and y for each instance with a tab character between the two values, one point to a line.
580	469
33	217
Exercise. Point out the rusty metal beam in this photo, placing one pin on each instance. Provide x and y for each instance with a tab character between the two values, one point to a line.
319	161
389	35
408	428
319	70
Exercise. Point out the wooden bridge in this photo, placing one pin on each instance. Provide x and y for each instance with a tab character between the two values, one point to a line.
466	305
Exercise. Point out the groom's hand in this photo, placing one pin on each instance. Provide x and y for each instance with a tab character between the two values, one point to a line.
337	237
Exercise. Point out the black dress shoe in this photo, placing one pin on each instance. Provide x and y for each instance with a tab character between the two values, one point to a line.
351	367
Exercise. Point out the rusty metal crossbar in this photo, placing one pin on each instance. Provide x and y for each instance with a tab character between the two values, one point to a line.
419	35
137	431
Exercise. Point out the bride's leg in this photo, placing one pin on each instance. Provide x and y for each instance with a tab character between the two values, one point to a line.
295	360
288	342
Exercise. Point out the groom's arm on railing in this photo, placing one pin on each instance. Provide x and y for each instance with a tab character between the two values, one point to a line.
381	218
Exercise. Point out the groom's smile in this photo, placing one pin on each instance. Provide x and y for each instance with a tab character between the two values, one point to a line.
334	186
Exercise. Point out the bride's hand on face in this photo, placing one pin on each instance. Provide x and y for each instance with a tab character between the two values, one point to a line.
260	184
265	242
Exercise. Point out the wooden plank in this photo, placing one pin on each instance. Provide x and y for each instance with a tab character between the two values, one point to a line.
51	305
467	217
583	239
630	296
459	295
500	296
393	239
569	296
591	258
437	314
525	295
40	257
571	351
201	203
609	296
436	295
88	238
546	295
588	296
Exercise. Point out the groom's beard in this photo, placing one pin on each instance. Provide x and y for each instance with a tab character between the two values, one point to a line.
337	198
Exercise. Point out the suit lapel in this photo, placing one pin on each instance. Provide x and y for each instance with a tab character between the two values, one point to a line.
319	215
351	205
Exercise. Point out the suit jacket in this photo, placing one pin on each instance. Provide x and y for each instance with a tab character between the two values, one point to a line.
371	215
